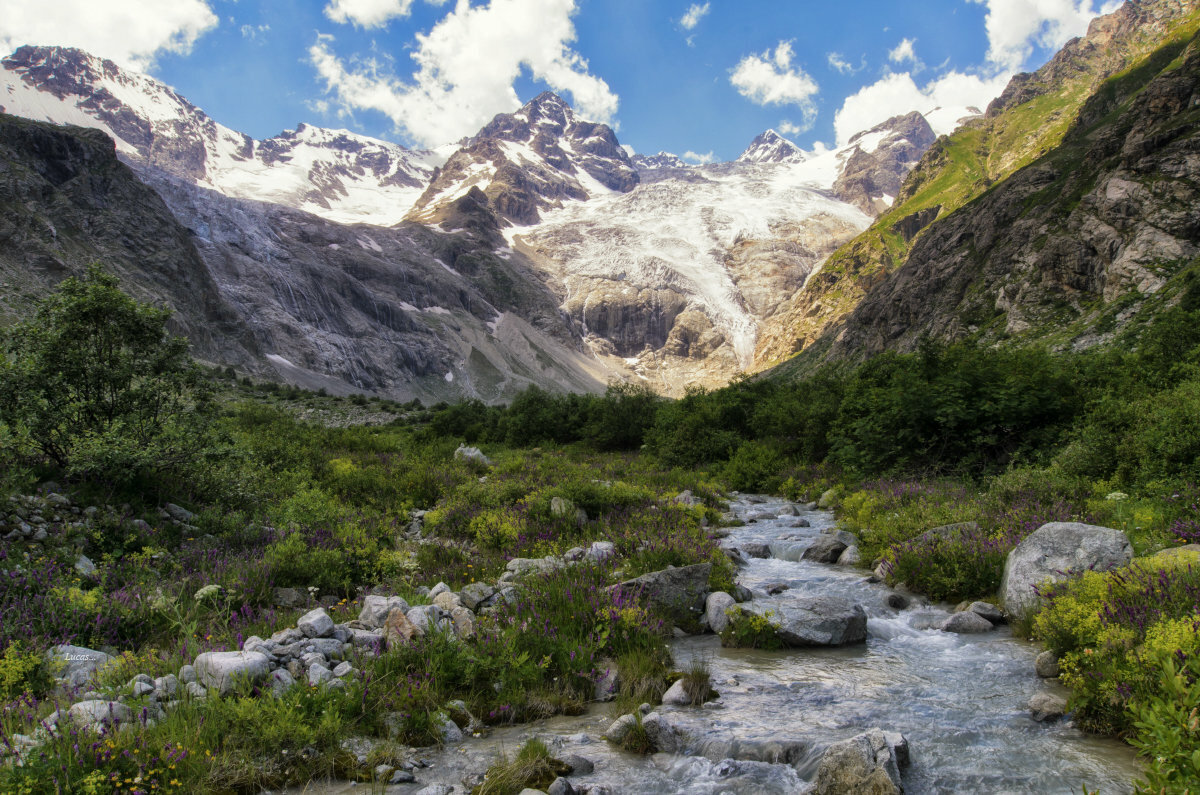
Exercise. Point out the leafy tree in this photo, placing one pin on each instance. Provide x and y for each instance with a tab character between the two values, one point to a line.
95	386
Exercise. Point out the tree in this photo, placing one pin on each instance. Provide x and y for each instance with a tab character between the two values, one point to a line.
95	386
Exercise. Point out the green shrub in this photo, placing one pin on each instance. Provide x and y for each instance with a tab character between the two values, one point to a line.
1168	729
23	671
747	630
532	768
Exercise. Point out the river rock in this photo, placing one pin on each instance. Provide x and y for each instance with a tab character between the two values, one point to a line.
816	621
679	593
760	516
896	601
824	549
561	786
756	549
1054	550
1046	665
1047	707
662	734
988	611
224	670
868	764
800	523
577	765
850	556
620	728
966	623
714	610
316	624
75	666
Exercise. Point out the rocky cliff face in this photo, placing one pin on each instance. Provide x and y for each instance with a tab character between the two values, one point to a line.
771	147
879	159
1071	247
66	201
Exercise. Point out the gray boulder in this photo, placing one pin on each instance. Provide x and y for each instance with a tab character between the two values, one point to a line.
1047	707
824	549
376	609
472	455
679	593
224	670
966	623
76	666
475	594
868	764
756	549
1054	550
316	624
662	734
850	556
714	610
1046	665
816	621
988	611
97	711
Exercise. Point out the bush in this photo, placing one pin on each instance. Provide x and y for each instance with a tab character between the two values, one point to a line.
748	630
95	386
1168	729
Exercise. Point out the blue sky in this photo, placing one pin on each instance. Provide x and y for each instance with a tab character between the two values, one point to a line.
672	75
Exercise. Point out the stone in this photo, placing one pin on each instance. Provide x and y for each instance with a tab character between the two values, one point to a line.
187	674
450	732
608	684
318	674
376	609
850	556
663	736
560	786
402	777
289	597
464	622
76	666
714	610
165	687
316	624
676	695
85	567
225	670
343	669
816	621
868	764
438	590
99	711
1045	707
677	593
601	550
685	497
988	611
741	593
398	630
475	594
472	455
1046	665
427	618
756	549
829	499
776	588
178	513
896	601
620	728
966	623
435	789
142	689
824	549
520	568
281	682
447	600
1051	552
577	765
788	511
760	516
196	690
800	523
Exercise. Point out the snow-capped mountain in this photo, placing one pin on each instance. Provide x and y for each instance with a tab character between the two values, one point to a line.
337	174
621	267
655	162
531	161
771	147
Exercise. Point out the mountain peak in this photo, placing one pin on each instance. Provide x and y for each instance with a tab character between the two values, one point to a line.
771	147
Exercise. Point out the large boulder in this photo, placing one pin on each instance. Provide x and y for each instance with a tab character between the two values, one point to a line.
816	621
376	609
868	764
966	623
825	549
678	593
714	610
224	670
316	624
76	666
99	713
1052	553
472	455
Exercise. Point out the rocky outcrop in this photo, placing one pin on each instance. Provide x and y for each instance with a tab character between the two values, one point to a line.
880	160
1054	552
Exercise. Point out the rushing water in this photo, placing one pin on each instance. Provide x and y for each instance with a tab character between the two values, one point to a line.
960	700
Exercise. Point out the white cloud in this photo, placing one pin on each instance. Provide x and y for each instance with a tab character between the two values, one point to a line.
897	94
904	51
252	32
785	127
454	91
695	13
1015	26
699	159
367	13
130	32
768	78
836	61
